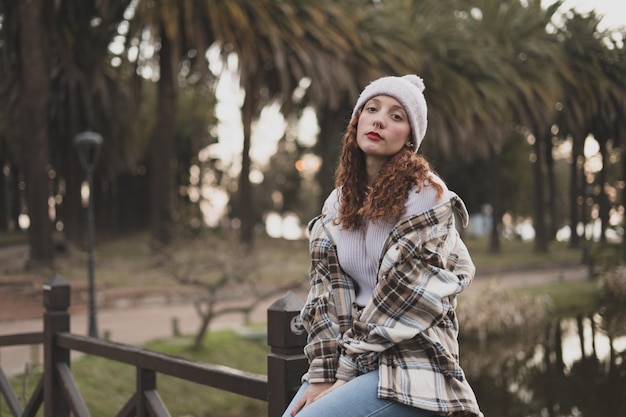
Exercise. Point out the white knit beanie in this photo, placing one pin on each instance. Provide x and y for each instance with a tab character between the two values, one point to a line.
408	90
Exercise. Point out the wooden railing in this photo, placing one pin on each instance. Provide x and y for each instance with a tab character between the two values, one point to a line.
60	397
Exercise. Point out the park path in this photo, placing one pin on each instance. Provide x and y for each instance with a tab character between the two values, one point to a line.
141	321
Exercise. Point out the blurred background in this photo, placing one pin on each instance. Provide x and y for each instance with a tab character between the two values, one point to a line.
191	141
227	116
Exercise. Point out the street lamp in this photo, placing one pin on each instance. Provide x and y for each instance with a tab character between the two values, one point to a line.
88	144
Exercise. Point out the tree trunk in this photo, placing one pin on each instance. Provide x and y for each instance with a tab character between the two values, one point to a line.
33	102
623	202
329	146
72	213
4	191
15	200
496	205
575	192
587	197
552	192
603	199
162	156
245	207
539	223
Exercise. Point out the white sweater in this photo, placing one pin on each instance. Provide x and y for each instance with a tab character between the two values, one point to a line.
360	251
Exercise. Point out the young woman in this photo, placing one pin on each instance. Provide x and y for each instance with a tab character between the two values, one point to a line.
386	266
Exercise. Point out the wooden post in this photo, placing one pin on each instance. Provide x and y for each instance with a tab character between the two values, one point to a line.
145	381
56	318
286	362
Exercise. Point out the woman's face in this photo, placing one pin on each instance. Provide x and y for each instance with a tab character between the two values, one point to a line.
383	128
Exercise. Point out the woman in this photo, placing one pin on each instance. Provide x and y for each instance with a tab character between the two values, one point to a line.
386	266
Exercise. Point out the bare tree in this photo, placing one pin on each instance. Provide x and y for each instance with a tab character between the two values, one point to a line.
227	280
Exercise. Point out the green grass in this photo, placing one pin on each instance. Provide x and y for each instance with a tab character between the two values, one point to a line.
516	254
569	298
7	238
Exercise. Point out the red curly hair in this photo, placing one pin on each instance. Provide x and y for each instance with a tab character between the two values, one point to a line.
386	198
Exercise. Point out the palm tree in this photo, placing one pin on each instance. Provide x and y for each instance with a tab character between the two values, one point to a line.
512	85
466	106
278	44
608	122
579	102
383	45
71	42
537	94
162	152
399	37
87	95
33	103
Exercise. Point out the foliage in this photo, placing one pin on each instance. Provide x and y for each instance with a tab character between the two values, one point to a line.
614	300
509	312
604	256
492	68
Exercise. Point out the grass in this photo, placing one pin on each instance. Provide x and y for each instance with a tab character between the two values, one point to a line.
516	254
571	298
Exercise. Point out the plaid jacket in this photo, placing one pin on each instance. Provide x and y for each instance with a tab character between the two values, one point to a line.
408	330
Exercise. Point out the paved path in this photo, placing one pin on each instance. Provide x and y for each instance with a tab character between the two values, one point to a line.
139	324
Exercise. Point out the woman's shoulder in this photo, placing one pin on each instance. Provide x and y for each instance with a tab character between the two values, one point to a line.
331	205
426	196
436	179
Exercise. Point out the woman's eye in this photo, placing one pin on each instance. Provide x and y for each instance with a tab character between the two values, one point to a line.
397	117
371	109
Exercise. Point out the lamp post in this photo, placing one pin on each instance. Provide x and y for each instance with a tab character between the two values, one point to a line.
88	144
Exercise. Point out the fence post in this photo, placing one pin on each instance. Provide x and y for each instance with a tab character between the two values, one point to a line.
286	362
56	318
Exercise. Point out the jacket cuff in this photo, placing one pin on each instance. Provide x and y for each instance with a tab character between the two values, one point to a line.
322	370
346	369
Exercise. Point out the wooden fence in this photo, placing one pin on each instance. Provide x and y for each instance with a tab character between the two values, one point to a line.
60	397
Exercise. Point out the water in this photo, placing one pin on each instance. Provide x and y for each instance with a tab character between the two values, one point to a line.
568	368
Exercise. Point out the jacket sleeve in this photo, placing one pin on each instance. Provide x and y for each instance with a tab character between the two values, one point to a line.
424	274
319	314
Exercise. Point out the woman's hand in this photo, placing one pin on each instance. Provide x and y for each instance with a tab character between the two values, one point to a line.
313	392
333	387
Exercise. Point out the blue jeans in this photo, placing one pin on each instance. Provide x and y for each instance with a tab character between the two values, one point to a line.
357	398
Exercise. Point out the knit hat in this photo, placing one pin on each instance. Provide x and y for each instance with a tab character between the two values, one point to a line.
408	90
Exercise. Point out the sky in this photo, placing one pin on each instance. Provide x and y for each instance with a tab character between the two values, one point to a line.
614	11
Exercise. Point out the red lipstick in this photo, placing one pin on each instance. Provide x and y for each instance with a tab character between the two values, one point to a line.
374	135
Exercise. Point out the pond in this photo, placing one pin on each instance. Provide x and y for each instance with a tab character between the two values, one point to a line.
573	367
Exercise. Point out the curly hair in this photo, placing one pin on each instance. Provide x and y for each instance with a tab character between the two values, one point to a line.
385	199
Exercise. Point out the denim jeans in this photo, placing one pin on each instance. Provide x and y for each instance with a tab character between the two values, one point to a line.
357	398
